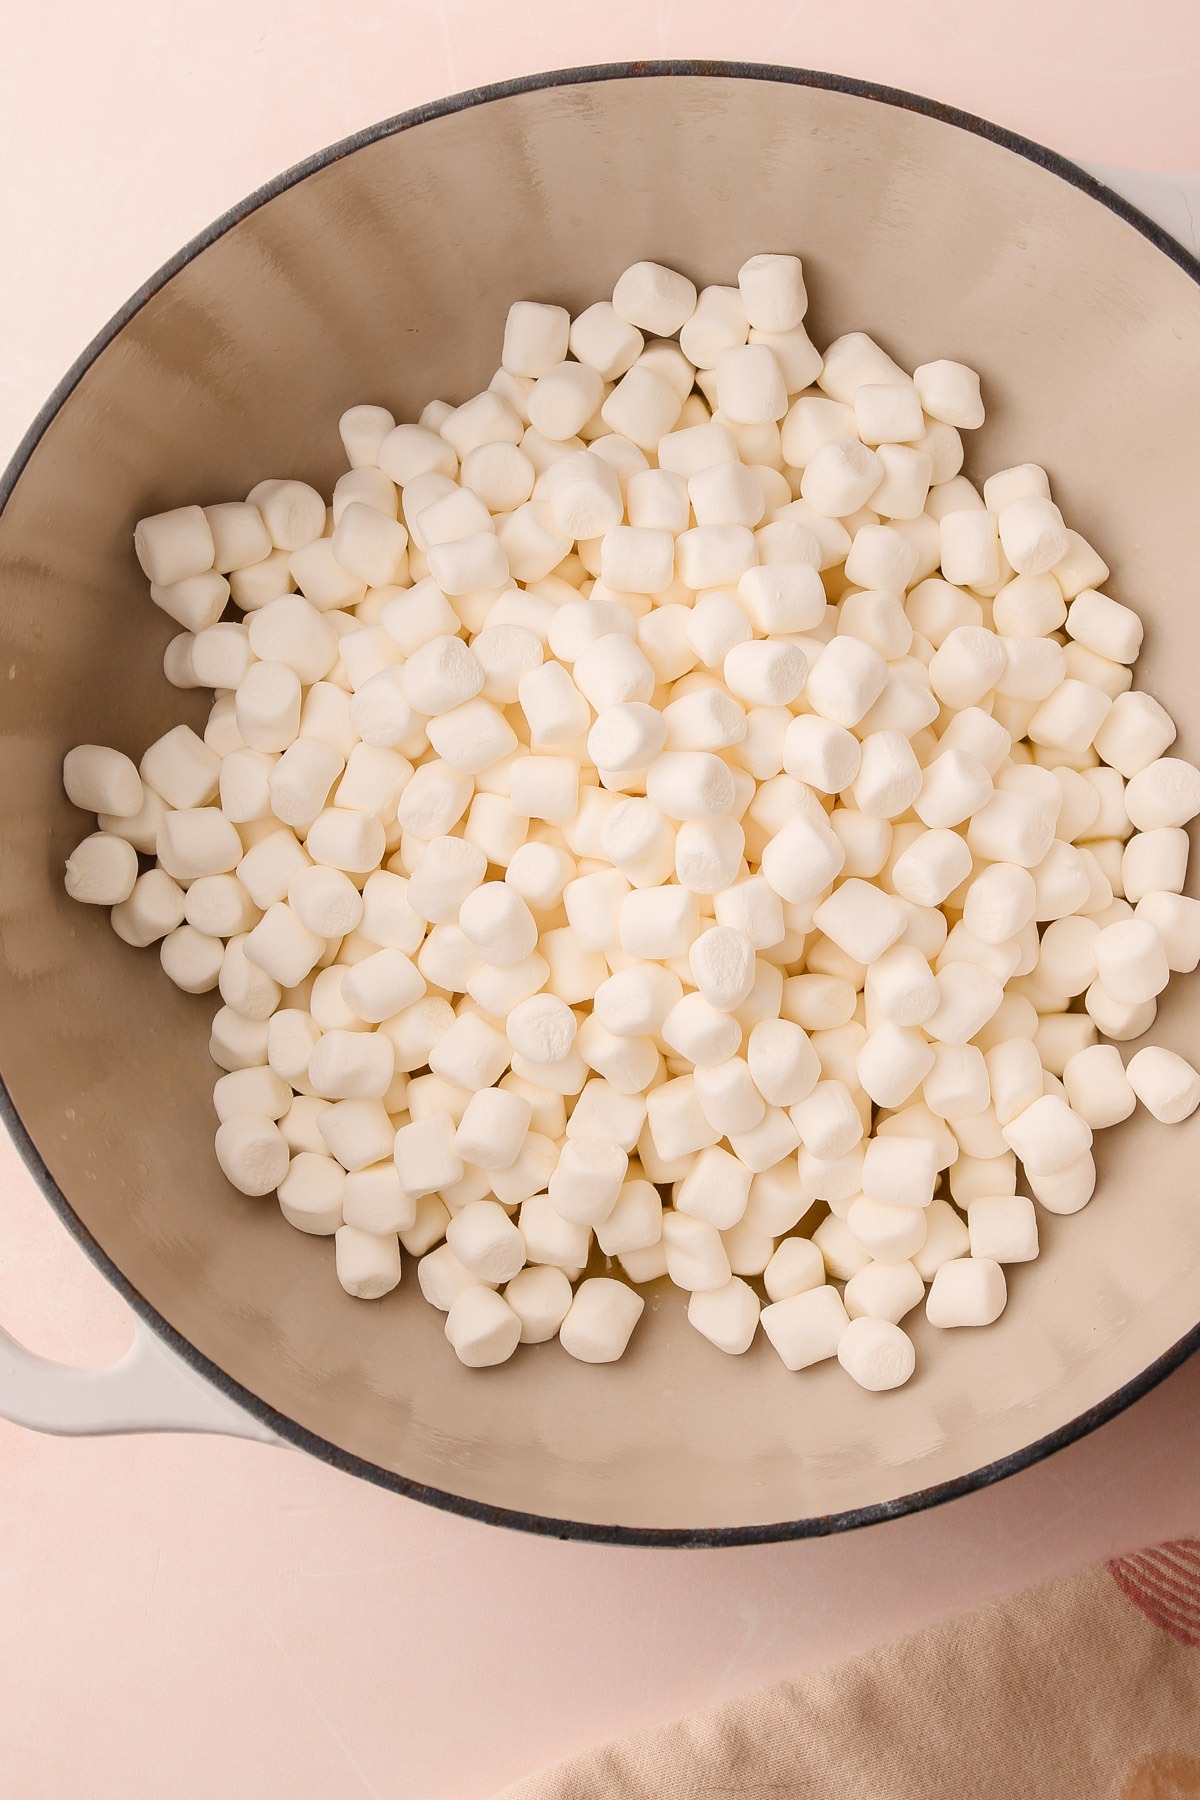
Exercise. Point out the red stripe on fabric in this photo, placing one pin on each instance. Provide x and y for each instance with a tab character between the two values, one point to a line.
1143	1587
1188	1592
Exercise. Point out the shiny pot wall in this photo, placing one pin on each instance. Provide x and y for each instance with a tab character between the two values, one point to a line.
382	272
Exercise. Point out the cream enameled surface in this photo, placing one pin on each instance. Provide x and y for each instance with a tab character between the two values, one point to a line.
1089	344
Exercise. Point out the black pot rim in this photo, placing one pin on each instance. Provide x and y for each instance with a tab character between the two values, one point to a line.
285	1428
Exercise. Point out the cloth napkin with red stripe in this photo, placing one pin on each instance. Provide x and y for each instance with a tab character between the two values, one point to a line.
1087	1689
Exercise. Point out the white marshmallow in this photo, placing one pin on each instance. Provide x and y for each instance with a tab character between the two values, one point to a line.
367	1266
765	673
1003	1228
1135	732
172	546
486	1242
889	777
643	407
806	1328
103	870
1165	1083
1165	792
690	784
1176	918
727	1316
827	1120
950	391
861	920
1131	961
970	548
876	1354
801	860
696	1257
888	412
252	1153
820	753
899	1172
482	1328
883	1291
715	1188
750	386
1032	534
1097	1086
535	337
1047	1136
311	1194
932	866
472	1053
840	477
966	1291
601	1320
846	680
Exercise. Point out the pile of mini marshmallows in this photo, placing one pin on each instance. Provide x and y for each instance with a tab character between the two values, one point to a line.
662	819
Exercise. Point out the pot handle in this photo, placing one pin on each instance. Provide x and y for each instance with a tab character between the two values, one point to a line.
149	1389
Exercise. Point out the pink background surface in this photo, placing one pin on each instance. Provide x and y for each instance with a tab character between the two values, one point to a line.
194	1616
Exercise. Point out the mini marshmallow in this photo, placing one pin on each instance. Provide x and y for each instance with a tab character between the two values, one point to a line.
1032	534
1120	1020
1176	918
846	680
949	391
1003	1228
486	1242
876	1353
171	546
801	860
1165	792
100	780
806	1328
970	547
716	1189
889	1234
861	920
824	755
642	407
727	1316
482	1328
601	1320
367	1266
103	870
889	777
251	1091
1165	1083
1097	1086
696	1257
722	965
698	1032
1131	961
1047	1136
840	477
899	1172
841	1251
654	298
252	1153
932	866
1135	732
828	1120
966	1291
885	1291
765	673
750	386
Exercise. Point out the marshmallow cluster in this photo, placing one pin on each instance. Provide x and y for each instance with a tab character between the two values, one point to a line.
661	819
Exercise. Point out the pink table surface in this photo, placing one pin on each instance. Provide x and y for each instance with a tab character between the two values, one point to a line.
196	1617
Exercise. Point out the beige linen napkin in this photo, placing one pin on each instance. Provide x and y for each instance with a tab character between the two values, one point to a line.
1087	1689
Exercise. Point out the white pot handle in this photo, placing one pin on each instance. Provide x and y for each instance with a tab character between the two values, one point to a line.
150	1389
